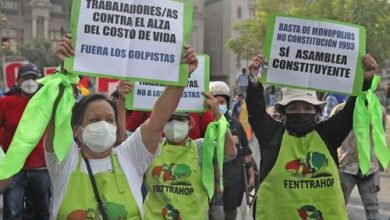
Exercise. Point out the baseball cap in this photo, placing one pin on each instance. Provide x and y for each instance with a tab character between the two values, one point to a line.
29	69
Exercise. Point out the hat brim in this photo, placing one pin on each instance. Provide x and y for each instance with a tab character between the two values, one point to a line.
279	105
29	73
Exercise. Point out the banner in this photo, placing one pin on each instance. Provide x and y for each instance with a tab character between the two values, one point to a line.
10	71
144	94
315	54
136	39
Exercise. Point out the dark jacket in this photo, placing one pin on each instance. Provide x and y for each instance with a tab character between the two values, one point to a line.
269	132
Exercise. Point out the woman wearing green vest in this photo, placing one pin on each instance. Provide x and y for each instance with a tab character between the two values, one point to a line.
178	181
95	180
298	171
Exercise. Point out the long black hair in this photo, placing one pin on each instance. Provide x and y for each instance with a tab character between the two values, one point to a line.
79	108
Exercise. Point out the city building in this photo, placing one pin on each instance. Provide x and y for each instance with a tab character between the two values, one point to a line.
220	16
26	20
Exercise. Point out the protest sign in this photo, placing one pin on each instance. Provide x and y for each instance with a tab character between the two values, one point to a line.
10	71
144	95
137	39
315	54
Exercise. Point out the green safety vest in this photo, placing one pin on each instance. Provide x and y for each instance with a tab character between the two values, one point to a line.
303	184
174	183
79	201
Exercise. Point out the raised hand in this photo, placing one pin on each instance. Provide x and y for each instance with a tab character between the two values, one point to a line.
370	66
190	58
65	48
255	64
212	105
124	88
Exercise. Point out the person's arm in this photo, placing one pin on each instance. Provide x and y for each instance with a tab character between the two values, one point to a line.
64	49
247	156
123	89
336	129
49	138
165	106
262	123
213	107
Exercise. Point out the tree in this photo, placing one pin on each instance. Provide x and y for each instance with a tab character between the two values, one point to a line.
372	14
39	52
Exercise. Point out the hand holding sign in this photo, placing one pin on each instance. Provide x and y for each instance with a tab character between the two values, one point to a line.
255	65
212	105
370	67
124	88
65	48
189	57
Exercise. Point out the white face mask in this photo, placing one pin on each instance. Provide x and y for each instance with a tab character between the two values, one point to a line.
29	86
176	131
99	136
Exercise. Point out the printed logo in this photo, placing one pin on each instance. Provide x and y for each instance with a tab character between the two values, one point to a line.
174	179
309	212
114	211
176	173
170	213
312	165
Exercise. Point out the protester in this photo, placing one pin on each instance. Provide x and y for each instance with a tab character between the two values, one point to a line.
242	166
28	195
298	172
350	174
93	169
242	80
272	95
176	188
237	106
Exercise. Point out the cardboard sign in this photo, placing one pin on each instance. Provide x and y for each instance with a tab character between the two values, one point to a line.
144	94
137	39
10	71
315	54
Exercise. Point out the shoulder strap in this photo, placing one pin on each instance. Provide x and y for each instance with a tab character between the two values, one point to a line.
95	189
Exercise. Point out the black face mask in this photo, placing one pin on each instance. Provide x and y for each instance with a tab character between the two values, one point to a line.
299	124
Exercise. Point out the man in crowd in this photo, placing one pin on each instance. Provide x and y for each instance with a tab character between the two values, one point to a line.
242	81
28	195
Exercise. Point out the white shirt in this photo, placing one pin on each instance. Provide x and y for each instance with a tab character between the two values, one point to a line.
133	157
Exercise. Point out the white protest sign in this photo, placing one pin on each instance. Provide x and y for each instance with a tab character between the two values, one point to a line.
131	39
144	95
315	54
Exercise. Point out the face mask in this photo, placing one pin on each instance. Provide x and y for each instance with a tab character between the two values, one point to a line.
300	124
29	86
223	109
176	131
99	136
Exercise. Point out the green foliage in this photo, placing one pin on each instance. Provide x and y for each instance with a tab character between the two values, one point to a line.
374	15
39	52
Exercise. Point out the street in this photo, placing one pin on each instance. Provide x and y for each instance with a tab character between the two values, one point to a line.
355	207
